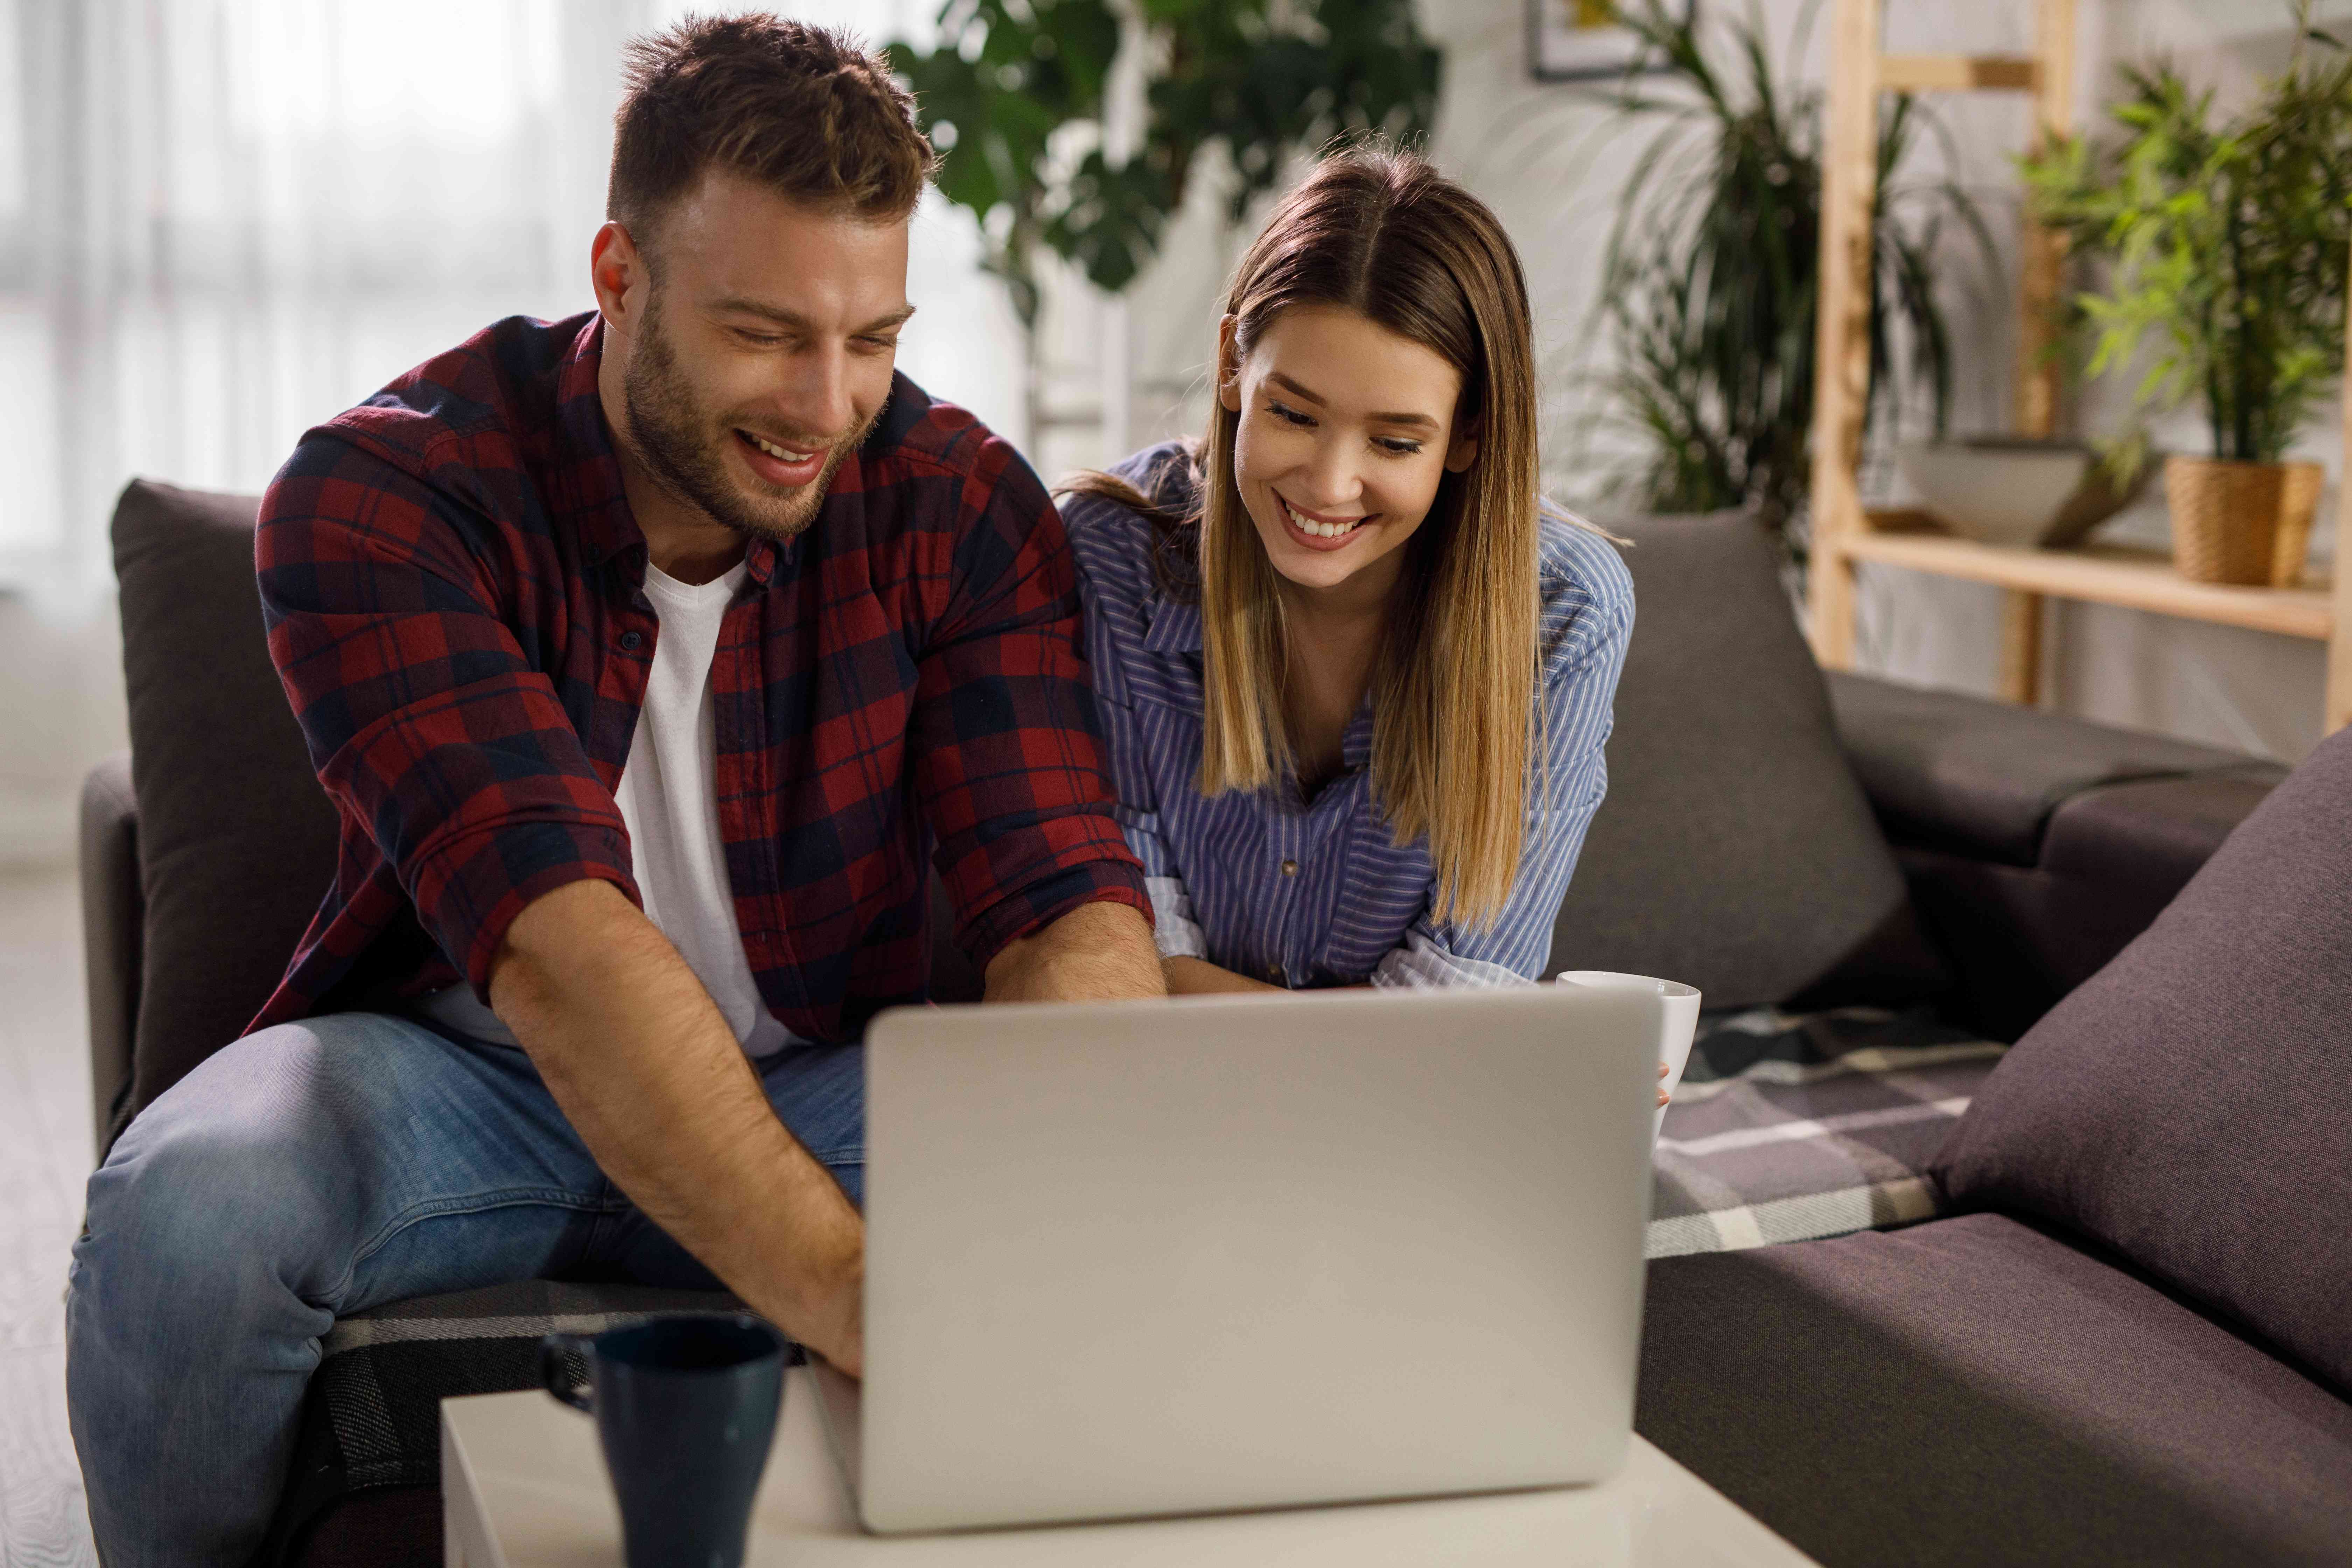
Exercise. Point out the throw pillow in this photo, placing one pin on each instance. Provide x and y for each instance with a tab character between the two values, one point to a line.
237	840
1735	852
2188	1105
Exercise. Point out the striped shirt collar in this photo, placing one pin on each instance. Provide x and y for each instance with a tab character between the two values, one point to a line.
1173	627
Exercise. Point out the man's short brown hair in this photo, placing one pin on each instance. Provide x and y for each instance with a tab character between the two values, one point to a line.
798	108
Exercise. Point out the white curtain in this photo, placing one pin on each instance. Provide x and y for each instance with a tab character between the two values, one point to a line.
222	221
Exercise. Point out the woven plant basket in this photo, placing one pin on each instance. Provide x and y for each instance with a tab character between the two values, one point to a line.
2298	504
2225	518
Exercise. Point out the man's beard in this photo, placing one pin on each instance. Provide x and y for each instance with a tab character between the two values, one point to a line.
681	448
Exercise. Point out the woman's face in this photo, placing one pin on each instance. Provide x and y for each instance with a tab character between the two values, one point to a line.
1346	430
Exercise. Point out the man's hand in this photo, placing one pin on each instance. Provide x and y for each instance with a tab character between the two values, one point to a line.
641	1061
1097	952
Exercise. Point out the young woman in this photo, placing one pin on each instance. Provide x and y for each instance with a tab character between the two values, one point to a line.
1355	682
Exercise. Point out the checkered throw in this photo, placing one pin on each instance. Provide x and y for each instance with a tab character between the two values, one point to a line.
1792	1126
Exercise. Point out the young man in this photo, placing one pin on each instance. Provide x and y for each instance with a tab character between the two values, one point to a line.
644	655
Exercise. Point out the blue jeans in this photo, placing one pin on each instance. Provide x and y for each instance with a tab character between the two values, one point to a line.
315	1170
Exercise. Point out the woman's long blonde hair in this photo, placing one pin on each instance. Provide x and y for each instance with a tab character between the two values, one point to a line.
1378	231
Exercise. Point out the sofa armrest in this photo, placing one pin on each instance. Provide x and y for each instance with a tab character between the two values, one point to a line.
114	917
2036	846
1984	779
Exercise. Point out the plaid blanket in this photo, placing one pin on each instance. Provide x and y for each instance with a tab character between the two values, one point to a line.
1787	1127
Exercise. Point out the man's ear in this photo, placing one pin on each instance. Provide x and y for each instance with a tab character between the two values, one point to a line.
1229	366
618	272
1465	450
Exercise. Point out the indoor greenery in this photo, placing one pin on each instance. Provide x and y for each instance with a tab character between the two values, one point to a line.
1711	274
1267	78
2224	244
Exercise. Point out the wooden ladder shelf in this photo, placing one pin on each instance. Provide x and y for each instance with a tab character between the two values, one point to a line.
1846	533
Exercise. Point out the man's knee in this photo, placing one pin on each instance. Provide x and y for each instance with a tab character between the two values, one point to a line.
233	1173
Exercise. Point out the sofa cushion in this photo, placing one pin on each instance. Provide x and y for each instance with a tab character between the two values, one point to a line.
1952	772
1735	851
237	840
2142	841
2191	1105
1975	1392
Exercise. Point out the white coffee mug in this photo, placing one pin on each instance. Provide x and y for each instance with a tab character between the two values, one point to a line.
1681	1019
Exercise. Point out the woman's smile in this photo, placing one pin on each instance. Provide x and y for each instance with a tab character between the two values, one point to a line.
1318	530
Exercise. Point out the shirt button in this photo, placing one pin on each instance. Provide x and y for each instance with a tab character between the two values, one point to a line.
1274	973
630	641
1290	868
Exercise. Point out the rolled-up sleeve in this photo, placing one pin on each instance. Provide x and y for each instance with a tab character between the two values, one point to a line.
1112	634
427	723
1566	789
1174	926
1007	748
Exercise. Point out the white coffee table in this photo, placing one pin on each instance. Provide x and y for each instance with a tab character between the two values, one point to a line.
523	1486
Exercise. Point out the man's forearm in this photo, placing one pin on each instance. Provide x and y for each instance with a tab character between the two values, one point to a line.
1099	952
1199	977
641	1061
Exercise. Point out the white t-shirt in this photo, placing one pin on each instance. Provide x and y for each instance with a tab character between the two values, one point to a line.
669	803
669	800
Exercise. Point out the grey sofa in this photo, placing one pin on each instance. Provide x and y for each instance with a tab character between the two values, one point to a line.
1782	841
2127	1341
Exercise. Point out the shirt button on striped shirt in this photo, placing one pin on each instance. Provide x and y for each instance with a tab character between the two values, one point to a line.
1290	868
1273	972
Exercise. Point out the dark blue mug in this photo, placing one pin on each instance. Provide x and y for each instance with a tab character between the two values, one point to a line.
686	1408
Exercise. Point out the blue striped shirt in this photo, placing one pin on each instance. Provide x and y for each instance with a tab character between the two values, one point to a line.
1316	892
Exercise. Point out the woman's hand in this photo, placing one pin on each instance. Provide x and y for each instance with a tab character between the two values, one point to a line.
1662	1078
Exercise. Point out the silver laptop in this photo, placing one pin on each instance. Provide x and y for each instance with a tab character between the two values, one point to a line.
1238	1253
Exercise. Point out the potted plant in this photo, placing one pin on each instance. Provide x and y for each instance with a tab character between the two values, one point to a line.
1014	93
2224	247
1711	275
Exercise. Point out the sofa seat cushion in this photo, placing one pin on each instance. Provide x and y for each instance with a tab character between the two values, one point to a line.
1973	1391
1789	1126
1959	773
371	1428
1735	852
2187	1105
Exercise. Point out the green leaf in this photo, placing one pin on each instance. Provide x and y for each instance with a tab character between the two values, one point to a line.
1272	80
2217	246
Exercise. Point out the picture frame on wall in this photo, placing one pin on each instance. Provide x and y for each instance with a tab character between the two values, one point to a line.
1580	40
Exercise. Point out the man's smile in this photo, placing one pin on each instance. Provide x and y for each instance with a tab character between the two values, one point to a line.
784	466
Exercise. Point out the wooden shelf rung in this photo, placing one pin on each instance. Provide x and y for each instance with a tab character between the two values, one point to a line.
1958	73
2101	574
1902	520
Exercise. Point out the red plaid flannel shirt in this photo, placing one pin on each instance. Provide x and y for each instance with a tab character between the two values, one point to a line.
451	580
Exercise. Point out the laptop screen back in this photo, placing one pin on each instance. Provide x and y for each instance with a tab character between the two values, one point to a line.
1240	1252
